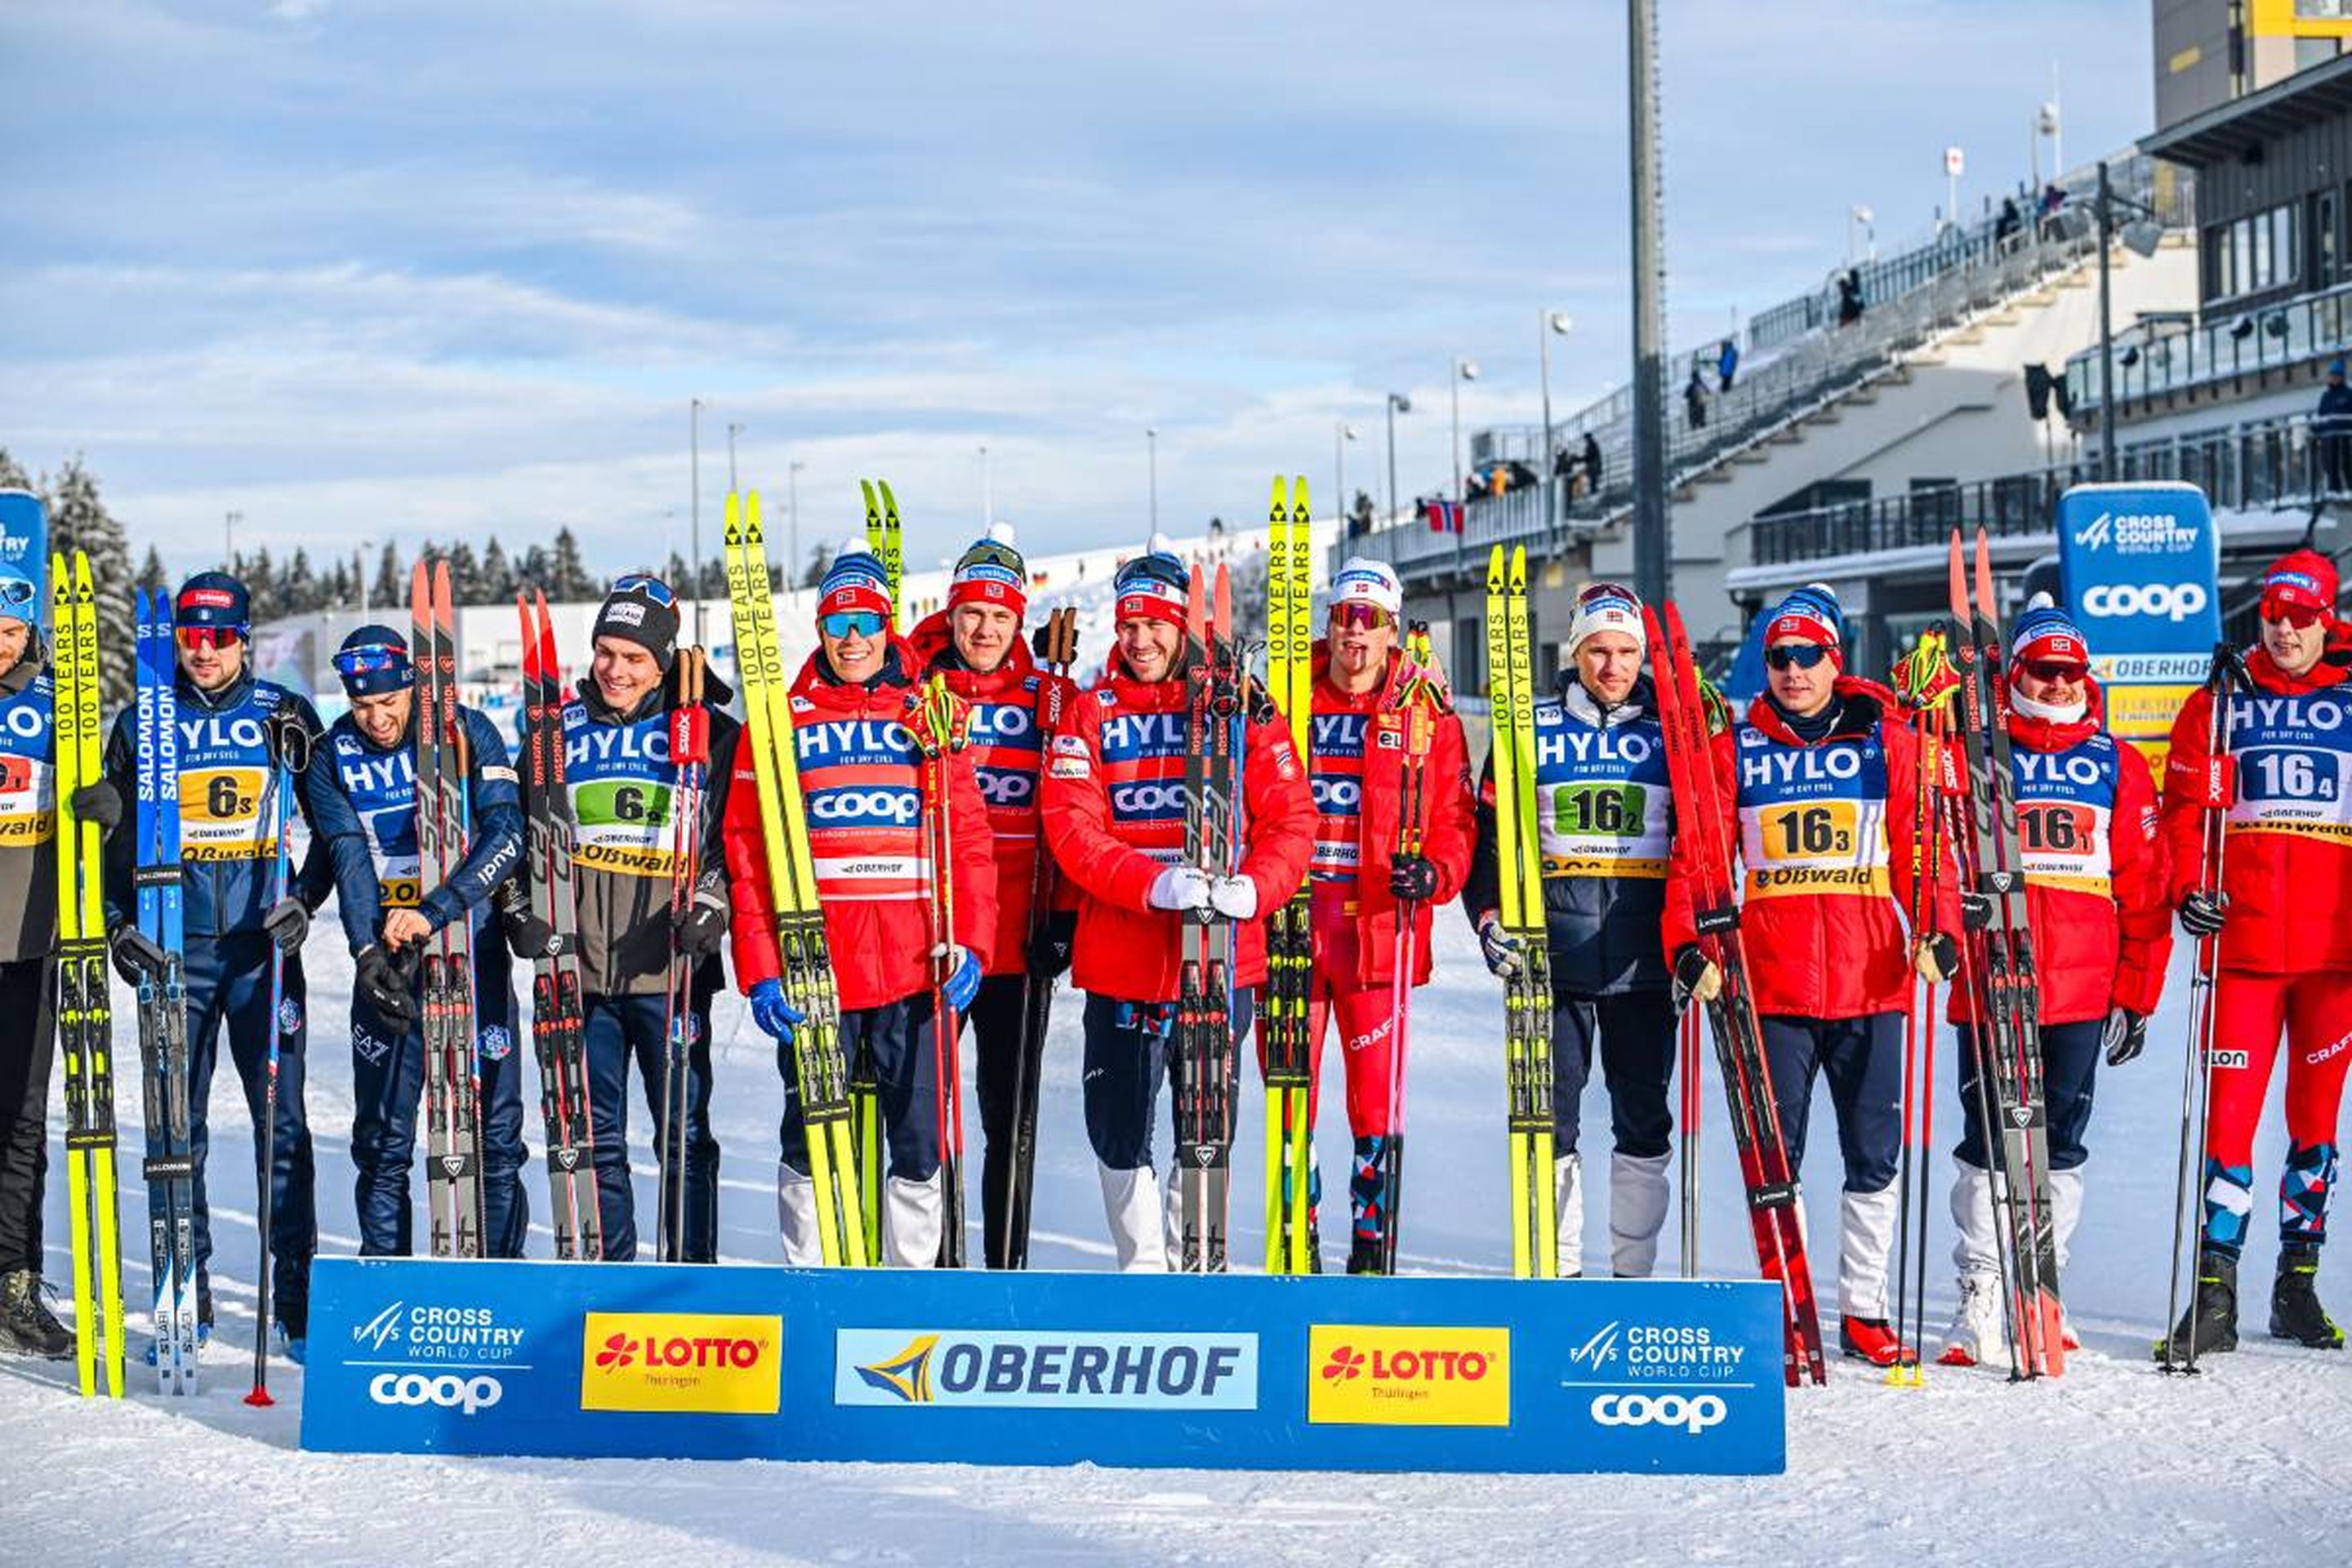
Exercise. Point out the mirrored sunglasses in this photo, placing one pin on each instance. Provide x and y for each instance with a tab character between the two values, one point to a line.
1803	654
851	623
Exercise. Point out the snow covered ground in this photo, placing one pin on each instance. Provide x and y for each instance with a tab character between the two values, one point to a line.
2115	1464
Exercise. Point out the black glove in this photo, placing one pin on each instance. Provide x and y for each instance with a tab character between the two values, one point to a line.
136	957
99	802
387	986
2125	1034
1939	959
288	923
700	929
289	740
1696	975
2204	914
1976	911
527	936
1049	950
1412	878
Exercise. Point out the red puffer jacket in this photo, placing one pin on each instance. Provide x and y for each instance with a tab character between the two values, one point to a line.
2094	870
1115	820
1368	823
2287	861
1011	706
861	777
1825	830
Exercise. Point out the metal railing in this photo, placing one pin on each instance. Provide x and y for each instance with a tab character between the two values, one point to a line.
2171	355
2253	466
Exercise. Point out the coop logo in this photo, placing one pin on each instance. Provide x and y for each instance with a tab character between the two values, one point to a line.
2170	600
865	807
448	1336
1693	1414
1384	1375
2138	533
1066	1369
712	1363
450	1392
1620	1352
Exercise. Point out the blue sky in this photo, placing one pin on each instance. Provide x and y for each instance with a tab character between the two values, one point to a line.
369	270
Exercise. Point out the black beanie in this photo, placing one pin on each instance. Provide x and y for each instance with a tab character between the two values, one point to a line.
641	609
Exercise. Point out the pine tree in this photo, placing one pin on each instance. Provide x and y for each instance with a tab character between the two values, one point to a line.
261	586
465	574
78	520
674	572
496	576
13	476
340	593
301	586
391	578
535	569
820	558
568	573
152	576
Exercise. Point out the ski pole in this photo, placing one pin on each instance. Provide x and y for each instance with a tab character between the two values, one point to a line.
288	747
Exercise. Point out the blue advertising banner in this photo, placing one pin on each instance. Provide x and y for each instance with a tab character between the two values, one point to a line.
1239	1372
2139	566
24	540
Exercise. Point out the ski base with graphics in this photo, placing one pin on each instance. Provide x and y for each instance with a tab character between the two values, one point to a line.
819	1074
1292	1246
1775	1209
84	1019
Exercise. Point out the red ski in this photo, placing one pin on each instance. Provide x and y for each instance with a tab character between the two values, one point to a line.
1773	1201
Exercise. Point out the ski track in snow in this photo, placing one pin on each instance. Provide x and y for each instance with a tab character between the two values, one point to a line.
2115	1464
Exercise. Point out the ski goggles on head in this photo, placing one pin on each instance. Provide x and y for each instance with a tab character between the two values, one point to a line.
851	623
993	553
210	637
16	592
2287	612
653	588
369	658
1356	614
2065	669
1802	655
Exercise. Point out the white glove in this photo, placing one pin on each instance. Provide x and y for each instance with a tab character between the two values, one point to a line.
1235	897
1179	887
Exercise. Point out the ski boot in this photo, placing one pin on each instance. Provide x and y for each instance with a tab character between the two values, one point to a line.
2210	1324
1872	1339
1365	1254
2295	1312
28	1327
1975	1335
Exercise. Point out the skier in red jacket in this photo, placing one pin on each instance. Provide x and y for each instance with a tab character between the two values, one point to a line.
2283	917
1357	762
862	777
2096	904
1818	777
1115	795
975	645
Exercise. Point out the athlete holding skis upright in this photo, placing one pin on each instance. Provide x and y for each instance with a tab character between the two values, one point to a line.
1359	883
2283	913
861	774
1601	768
236	731
2094	887
373	749
28	958
1115	820
975	645
1817	781
623	789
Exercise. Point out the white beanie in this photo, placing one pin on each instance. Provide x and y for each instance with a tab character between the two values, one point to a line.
1607	607
1367	582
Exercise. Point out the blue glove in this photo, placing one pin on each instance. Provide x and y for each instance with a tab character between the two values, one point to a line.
963	981
776	1016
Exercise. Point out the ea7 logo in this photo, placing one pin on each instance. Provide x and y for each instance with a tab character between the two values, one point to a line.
449	1391
1692	1415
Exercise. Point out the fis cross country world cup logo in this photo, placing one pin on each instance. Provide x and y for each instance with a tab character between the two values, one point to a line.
1067	1369
1384	1375
428	1332
713	1363
1618	1352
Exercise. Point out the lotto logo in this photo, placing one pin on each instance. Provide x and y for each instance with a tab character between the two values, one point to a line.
1383	1375
706	1362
